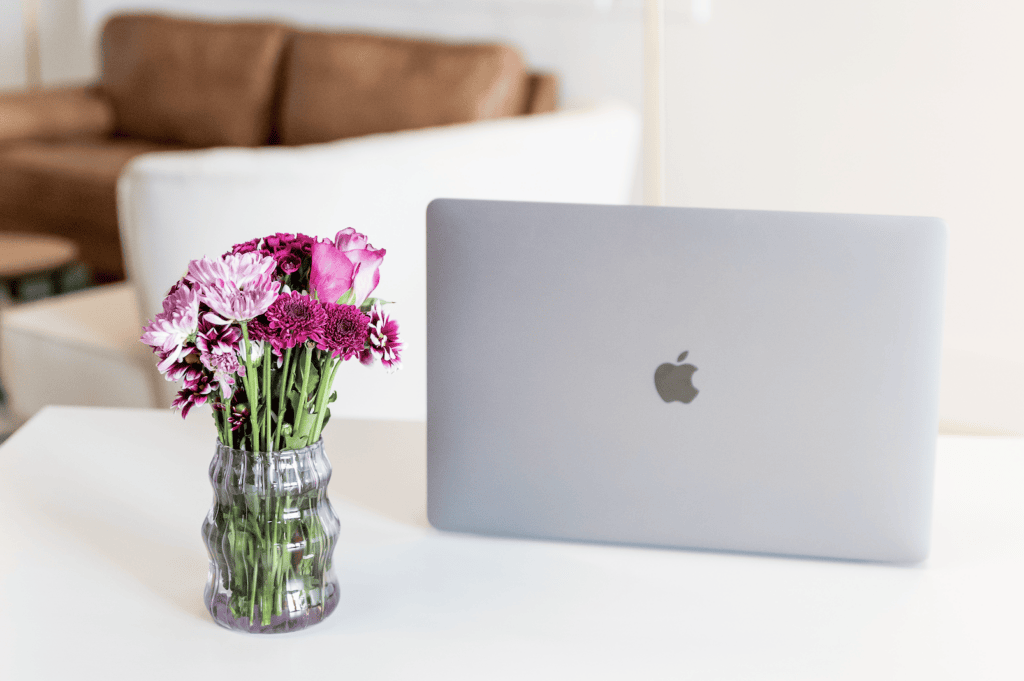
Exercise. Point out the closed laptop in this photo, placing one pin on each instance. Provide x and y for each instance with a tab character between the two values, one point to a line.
715	379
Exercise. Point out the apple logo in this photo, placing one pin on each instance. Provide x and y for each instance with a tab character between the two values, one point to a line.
675	381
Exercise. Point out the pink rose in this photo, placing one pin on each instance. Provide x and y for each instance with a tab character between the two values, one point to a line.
348	266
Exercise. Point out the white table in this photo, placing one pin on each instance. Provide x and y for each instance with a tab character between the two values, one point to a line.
102	572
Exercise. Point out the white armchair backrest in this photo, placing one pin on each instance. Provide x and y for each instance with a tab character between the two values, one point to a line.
177	206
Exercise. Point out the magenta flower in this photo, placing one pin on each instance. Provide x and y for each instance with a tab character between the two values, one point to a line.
293	318
343	333
236	287
248	247
383	340
170	329
177	367
289	263
218	340
195	391
289	250
238	417
186	369
350	263
259	329
300	244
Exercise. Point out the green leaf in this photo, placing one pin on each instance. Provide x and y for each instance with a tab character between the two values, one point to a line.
314	377
348	297
292	439
368	303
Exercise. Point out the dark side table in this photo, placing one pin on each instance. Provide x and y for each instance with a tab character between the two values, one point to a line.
31	266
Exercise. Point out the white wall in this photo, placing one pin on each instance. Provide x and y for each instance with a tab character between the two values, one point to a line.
12	45
876	106
66	50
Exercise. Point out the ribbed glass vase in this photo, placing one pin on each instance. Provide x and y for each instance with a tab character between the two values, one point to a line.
271	534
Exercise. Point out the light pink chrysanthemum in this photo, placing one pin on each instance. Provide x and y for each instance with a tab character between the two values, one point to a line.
224	368
237	287
239	268
170	329
383	340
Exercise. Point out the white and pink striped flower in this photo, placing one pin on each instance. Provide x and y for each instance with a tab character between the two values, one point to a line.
170	329
383	340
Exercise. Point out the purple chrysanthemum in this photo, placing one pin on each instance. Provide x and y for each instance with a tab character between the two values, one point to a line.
344	330
293	318
383	340
259	330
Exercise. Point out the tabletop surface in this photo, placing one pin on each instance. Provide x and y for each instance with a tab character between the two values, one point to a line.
22	254
102	571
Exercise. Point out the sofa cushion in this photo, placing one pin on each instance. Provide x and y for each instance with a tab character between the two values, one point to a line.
343	85
54	114
69	189
193	82
542	93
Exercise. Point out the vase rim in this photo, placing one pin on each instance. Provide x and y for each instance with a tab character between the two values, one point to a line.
319	444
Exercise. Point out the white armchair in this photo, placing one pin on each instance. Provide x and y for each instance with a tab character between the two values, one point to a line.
176	206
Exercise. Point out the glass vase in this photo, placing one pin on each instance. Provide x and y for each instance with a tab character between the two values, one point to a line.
270	534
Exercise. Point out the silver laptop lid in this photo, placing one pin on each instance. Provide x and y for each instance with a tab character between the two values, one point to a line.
812	343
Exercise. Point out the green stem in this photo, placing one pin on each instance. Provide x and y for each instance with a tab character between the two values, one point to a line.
286	386
252	591
267	359
300	415
252	390
269	526
225	422
322	394
217	421
277	554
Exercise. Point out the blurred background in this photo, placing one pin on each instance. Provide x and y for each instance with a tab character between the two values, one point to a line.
911	107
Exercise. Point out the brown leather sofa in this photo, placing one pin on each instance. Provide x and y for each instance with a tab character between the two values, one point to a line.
171	83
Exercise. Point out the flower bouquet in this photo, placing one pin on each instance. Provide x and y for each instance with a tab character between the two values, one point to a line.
259	334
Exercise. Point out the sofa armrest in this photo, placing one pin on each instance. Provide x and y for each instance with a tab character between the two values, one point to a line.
176	206
55	114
